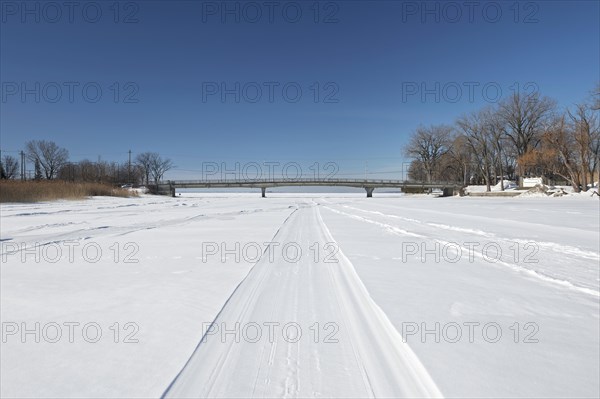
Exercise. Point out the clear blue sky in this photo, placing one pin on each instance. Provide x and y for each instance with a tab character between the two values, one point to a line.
372	54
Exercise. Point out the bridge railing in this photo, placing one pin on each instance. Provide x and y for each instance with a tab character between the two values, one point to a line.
290	180
302	180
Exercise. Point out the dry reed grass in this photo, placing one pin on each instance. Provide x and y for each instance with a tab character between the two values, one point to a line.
34	191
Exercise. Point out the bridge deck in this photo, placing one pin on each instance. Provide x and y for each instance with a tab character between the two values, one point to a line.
368	184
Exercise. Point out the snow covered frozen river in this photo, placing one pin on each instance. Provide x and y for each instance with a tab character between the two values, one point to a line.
301	296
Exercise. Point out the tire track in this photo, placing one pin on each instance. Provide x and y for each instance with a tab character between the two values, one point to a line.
515	267
368	359
559	248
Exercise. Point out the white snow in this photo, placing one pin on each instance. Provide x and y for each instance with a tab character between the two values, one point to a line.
527	267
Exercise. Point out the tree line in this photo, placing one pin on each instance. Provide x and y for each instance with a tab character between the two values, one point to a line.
521	136
51	162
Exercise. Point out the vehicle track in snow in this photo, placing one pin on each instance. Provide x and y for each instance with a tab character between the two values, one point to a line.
418	230
357	353
41	235
559	248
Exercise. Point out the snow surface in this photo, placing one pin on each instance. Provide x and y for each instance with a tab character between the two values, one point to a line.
541	271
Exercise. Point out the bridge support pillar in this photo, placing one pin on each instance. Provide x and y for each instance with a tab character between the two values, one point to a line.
369	191
263	191
172	190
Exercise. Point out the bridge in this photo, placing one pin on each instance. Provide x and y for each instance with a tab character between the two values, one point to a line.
170	186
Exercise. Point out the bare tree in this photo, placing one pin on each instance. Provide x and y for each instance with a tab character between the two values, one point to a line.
596	98
560	138
462	157
144	162
48	155
159	166
37	170
526	116
428	145
475	127
496	131
88	170
416	171
10	165
586	138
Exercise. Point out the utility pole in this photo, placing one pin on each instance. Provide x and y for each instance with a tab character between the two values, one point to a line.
129	169
22	165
